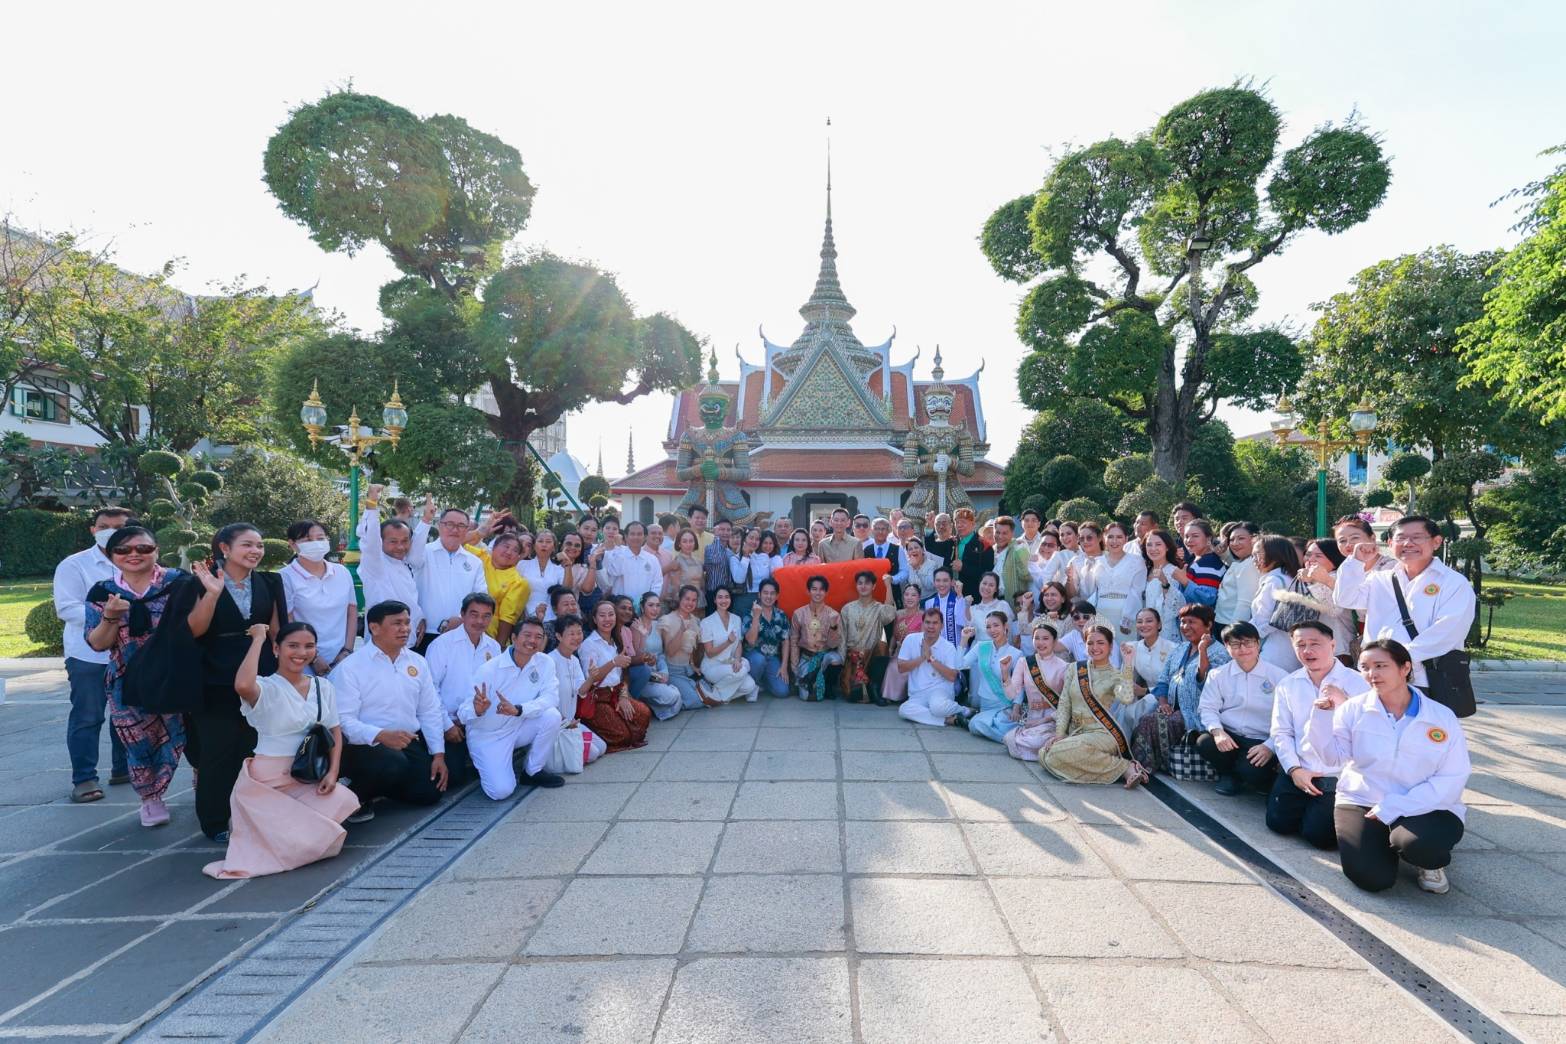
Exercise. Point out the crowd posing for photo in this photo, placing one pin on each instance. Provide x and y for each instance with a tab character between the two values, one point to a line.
1326	674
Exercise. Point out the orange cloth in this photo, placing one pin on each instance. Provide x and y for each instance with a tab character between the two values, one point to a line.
792	581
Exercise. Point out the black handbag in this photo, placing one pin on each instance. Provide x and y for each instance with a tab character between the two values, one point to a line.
1447	677
313	759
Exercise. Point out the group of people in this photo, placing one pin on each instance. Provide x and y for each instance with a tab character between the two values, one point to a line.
1106	653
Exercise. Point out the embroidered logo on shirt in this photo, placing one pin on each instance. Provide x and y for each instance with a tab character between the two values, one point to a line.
487	655
413	672
1437	735
1432	590
1266	686
532	676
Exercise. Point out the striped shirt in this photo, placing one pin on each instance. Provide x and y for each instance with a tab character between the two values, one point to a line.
1206	574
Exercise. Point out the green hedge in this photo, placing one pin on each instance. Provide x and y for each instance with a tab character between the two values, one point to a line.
32	542
45	628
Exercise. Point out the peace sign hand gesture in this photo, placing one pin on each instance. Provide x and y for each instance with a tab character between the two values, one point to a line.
480	701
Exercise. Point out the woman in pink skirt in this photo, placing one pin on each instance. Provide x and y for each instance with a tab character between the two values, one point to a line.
277	822
1035	702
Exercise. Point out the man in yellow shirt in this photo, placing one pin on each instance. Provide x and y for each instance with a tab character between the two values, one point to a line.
506	586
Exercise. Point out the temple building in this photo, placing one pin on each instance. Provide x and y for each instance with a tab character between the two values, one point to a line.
827	421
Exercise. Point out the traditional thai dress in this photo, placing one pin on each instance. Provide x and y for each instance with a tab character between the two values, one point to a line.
1108	584
1034	681
987	688
894	685
598	710
863	631
1089	745
665	698
153	742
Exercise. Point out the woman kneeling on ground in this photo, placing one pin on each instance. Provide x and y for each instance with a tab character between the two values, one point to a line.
1089	746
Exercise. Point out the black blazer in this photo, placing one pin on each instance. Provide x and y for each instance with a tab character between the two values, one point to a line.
225	644
894	554
976	561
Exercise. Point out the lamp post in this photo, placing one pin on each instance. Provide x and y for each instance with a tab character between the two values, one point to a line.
354	439
1362	422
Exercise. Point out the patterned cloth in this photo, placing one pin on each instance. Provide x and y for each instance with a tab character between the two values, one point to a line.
772	633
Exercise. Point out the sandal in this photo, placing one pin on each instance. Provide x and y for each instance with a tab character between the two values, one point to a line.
1136	775
85	791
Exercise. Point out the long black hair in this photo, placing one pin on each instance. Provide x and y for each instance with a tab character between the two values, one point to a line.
227	535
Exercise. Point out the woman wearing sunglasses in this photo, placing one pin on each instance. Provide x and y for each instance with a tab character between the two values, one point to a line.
121	614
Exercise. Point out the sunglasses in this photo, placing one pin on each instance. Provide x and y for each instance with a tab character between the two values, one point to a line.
135	549
1082	616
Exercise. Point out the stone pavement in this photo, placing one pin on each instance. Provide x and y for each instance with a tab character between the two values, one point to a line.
793	872
102	922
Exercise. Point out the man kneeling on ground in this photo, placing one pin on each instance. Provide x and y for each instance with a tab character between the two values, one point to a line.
516	704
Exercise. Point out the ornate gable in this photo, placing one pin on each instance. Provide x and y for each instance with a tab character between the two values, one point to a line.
825	395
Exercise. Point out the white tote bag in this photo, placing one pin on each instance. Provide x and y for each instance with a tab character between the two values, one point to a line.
574	748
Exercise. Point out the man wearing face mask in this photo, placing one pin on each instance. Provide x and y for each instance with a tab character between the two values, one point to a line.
85	666
320	593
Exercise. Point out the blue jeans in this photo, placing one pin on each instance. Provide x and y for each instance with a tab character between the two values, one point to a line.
684	679
84	724
768	672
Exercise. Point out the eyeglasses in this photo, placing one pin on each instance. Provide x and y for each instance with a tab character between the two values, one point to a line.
1082	616
135	549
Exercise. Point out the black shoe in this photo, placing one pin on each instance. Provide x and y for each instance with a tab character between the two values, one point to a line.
364	814
221	837
547	780
1230	786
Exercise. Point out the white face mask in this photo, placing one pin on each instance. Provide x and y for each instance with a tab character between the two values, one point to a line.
313	550
101	538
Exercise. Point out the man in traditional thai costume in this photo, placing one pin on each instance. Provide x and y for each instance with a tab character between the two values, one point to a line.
863	629
815	641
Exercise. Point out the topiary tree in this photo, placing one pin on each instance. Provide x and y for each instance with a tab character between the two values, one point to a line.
276	553
1124	474
1063	478
594	492
180	508
272	489
1406	469
1378	498
1154	494
1078	509
44	628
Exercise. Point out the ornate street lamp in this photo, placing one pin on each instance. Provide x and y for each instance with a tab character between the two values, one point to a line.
1362	422
354	439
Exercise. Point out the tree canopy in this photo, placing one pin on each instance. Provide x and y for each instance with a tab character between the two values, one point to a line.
1137	256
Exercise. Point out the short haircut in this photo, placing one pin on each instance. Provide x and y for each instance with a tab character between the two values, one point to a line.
301	530
566	621
459	511
633	524
768	582
381	610
964	512
530	621
1186	505
839	511
864	574
942	569
861	517
477	598
558	592
810	585
395	523
1240	632
697	511
1007	521
1140	515
721	522
933	611
687	589
1203	613
1030	511
1312	625
1082	605
1426	521
111	512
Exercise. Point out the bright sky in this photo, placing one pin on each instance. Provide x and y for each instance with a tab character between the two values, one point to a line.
681	145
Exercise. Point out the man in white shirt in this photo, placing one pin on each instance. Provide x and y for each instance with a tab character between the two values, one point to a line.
394	730
454	658
1032	530
1440	600
1236	713
1237	589
631	569
1302	795
85	666
515	704
391	553
930	663
450	573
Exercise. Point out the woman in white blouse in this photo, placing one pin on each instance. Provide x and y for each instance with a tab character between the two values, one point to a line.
1112	576
1278	560
1161	591
748	568
321	594
1147	654
278	823
723	663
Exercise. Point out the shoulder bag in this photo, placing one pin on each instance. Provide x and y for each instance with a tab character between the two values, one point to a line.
313	759
1447	678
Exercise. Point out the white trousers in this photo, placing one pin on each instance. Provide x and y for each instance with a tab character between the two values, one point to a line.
931	706
492	748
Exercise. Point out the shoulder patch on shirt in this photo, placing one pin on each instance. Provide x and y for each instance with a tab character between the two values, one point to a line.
413	672
1431	590
1436	735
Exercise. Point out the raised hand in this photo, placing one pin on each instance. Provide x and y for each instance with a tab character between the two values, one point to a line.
1127	651
1332	695
429	508
376	489
1005	664
480	700
507	709
210	583
1367	551
115	608
258	633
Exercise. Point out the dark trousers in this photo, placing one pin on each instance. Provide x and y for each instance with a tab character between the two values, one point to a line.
1370	849
84	724
459	764
1292	811
402	775
223	741
1234	763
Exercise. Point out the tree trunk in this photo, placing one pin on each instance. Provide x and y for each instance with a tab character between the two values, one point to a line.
1171	438
514	425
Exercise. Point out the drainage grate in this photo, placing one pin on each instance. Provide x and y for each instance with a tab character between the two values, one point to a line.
236	1003
1456	1012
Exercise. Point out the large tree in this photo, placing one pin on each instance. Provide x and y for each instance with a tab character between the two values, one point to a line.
1138	255
1392	339
443	199
1517	348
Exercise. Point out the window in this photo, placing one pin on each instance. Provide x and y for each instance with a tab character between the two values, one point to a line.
1358	468
44	399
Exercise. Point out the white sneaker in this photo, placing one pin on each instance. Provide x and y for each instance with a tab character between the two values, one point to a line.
1434	882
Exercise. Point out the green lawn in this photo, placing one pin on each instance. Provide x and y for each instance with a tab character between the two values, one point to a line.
1532	626
16	598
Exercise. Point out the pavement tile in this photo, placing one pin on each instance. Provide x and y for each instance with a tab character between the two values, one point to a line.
904	847
982	768
1540	1029
730	716
1090	1002
163	884
715	739
601	1002
1081	918
659	799
1516	828
1324	872
279	893
464	919
516	849
1055	849
780	846
940	916
770	914
801	1000
130	985
1288	1003
791	764
913	800
958	741
38	957
793	713
1164	855
1512	884
654	847
701	765
880	739
1204	917
41	825
789	800
1001	802
770	737
27	883
574	803
885	766
618	915
1500	963
860	716
937	1002
625	766
367	1003
1112	804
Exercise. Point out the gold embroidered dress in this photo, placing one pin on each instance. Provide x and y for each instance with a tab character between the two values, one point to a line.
1089	746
